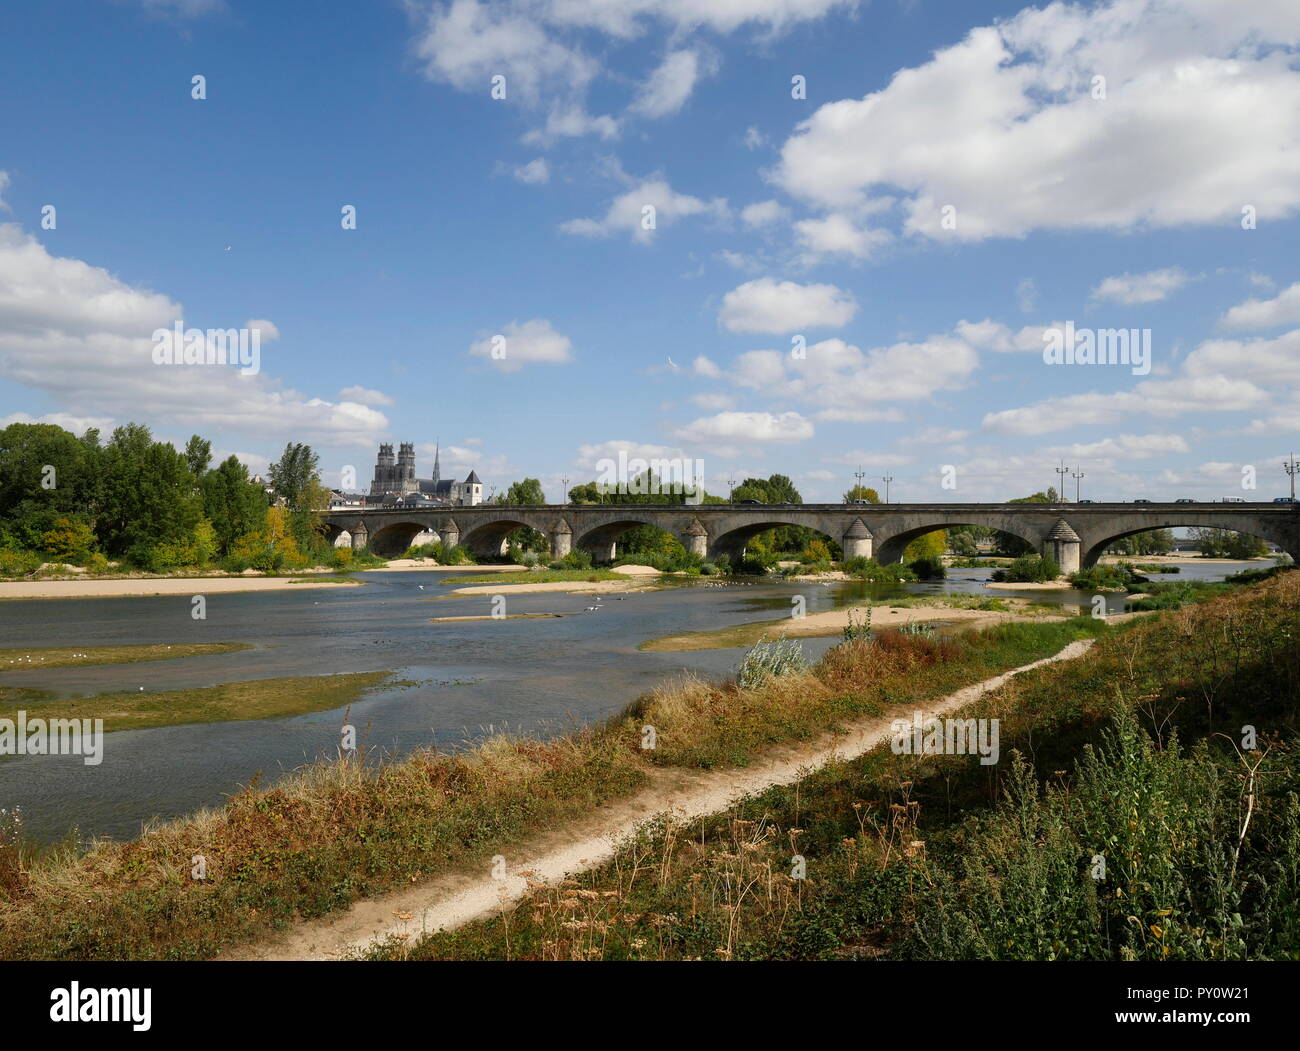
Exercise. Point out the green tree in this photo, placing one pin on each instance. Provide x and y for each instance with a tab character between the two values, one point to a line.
148	493
198	455
526	491
45	472
232	503
294	475
862	492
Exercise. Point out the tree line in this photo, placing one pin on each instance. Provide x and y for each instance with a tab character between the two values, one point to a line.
140	502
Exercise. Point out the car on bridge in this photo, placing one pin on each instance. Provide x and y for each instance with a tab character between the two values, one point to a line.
1284	499
1141	500
1184	500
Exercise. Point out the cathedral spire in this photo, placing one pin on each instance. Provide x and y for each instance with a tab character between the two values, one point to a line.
437	472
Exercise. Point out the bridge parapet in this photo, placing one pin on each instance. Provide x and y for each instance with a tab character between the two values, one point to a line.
714	529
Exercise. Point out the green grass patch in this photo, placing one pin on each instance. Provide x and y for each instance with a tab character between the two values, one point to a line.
71	656
253	699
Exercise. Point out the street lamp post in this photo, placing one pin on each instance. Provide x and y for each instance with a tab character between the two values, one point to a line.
1077	477
1292	468
859	474
1062	471
887	480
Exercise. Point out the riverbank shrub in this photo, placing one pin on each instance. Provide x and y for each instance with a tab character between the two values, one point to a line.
1119	577
870	569
770	660
930	568
1029	569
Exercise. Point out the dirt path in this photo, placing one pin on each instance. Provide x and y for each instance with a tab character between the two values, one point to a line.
453	900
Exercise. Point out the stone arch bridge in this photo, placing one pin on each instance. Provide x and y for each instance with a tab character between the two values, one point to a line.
1075	534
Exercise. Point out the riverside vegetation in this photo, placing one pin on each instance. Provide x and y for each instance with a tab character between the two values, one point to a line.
335	832
1131	820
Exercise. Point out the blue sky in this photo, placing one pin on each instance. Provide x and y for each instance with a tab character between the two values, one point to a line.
1111	206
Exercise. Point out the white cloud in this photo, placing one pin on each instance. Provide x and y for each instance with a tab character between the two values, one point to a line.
704	367
748	428
714	402
534	172
1283	309
836	234
542	47
530	343
1198	120
1265	361
1164	398
846	383
1026	295
765	305
572	122
84	337
754	138
467	43
76	424
365	396
1121	447
628	212
591	455
763	213
1150	287
4	185
671	84
993	335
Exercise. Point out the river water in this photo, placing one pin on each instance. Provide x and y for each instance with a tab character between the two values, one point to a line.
528	675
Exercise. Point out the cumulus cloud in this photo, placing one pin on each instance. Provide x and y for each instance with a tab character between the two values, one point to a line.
993	335
763	213
534	172
1164	398
766	305
589	456
838	235
630	212
1282	309
703	366
845	383
747	428
1150	287
528	343
85	338
365	396
544	49
1197	120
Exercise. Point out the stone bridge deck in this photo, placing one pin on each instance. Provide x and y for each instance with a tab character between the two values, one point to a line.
1075	534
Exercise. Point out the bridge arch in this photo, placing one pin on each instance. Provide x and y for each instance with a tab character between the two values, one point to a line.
488	539
602	540
890	549
1262	529
733	534
393	538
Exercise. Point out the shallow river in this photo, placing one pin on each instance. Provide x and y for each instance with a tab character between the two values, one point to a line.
525	675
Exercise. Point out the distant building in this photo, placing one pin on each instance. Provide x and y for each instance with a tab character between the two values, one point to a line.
395	481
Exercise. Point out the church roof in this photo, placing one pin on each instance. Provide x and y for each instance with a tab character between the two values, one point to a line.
473	479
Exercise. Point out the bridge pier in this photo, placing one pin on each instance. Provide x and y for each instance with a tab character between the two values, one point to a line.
450	533
857	540
696	539
561	539
603	552
1063	545
360	536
